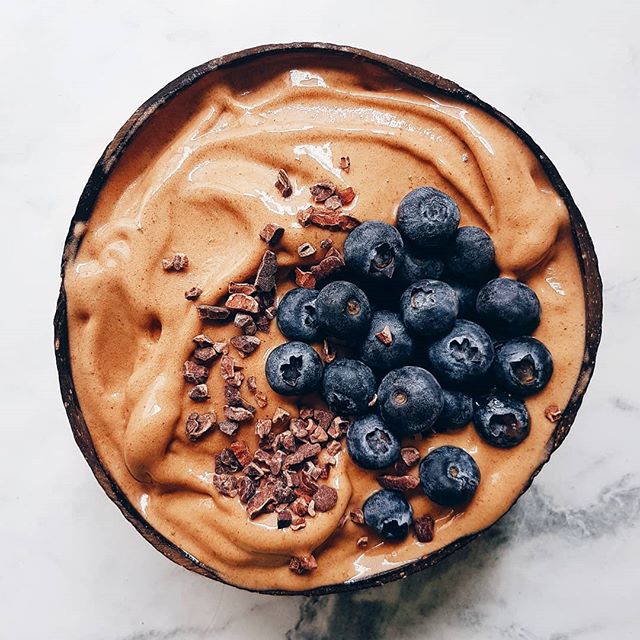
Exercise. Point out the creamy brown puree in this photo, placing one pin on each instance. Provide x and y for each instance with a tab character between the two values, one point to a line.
199	179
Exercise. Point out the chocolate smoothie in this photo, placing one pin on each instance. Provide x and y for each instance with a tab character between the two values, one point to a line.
199	180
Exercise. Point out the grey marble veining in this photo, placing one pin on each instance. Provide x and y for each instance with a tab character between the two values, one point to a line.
563	564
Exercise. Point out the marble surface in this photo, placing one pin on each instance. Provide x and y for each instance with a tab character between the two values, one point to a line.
565	563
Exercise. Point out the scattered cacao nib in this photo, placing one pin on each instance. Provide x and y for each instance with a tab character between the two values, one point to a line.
272	233
334	220
424	528
374	399
263	497
241	452
299	428
252	384
306	249
300	506
275	464
298	523
305	413
325	498
302	564
212	313
304	452
304	216
338	427
312	509
319	435
261	399
203	340
322	190
254	471
346	195
399	483
283	184
246	488
333	447
280	418
326	244
343	520
198	424
328	351
266	276
194	373
553	413
270	312
262	323
261	457
284	518
179	262
205	355
228	427
326	267
306	484
227	368
333	203
410	456
263	427
385	336
237	414
323	418
193	294
233	396
246	324
242	287
305	279
242	302
225	484
226	462
362	542
245	345
357	516
345	163
199	393
287	441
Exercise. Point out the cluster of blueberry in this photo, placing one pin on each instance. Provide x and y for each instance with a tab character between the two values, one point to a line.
440	341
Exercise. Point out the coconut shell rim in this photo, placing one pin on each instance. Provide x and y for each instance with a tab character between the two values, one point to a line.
416	76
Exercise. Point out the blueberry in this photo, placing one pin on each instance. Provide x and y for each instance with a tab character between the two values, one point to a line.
391	349
449	476
427	217
501	420
508	307
371	444
343	309
419	266
471	255
429	307
463	356
466	299
457	411
410	400
348	386
388	513
293	368
522	366
297	317
374	250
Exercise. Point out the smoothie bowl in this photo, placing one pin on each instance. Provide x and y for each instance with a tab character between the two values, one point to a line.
323	317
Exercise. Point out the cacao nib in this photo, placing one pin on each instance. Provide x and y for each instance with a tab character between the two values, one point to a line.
198	424
424	527
305	279
410	456
194	373
225	484
325	498
283	184
246	489
242	302
322	190
212	313
306	249
199	393
179	262
228	427
385	336
345	163
399	483
241	452
193	294
272	233
266	276
245	345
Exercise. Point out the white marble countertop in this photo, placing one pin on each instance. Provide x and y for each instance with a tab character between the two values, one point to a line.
565	563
